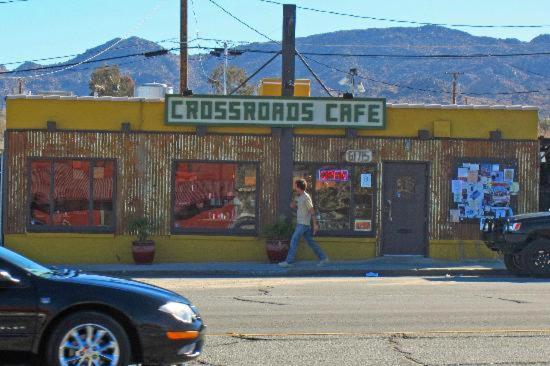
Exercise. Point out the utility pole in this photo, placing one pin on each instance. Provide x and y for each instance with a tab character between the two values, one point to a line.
286	154
183	47
455	74
225	53
20	86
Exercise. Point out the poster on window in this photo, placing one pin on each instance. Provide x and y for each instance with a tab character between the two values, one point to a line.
482	190
363	225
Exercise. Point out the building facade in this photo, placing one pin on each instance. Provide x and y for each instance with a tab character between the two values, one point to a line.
79	168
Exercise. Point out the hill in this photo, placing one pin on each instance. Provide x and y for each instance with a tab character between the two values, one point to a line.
416	80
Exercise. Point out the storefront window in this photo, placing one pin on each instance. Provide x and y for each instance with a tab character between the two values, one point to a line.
215	197
343	196
71	194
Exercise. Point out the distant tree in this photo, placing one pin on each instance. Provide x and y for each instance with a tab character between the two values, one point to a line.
235	76
108	81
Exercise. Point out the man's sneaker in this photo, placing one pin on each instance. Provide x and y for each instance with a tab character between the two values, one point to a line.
323	262
285	264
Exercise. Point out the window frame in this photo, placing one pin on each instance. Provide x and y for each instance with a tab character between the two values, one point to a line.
345	233
206	231
70	229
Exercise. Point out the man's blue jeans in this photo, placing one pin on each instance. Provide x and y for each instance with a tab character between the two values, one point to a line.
305	231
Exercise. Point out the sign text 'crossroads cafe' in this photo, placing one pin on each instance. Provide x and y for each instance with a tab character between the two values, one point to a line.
273	111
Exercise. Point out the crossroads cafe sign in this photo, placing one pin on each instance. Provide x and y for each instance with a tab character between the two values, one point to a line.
221	110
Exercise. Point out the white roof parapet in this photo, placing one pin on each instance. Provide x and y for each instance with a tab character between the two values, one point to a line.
389	105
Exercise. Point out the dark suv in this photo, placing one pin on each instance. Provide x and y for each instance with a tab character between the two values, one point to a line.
524	241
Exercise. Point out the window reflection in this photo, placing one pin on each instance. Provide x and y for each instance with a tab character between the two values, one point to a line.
343	196
61	193
215	196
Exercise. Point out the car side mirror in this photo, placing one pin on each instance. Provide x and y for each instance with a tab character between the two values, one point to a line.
6	279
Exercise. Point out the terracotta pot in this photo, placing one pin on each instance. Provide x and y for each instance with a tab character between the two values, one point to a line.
277	250
143	251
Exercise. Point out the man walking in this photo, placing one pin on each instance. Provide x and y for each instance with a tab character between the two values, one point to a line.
305	215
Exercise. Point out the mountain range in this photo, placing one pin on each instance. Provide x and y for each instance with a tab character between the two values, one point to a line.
483	80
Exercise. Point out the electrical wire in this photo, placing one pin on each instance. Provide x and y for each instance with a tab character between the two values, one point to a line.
243	22
68	66
138	26
332	12
79	54
528	71
12	1
427	90
449	56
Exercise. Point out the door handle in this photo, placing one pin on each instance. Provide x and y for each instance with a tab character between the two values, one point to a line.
389	210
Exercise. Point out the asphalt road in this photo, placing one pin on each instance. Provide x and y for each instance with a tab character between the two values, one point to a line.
372	321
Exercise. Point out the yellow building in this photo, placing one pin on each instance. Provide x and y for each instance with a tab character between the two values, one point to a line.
399	179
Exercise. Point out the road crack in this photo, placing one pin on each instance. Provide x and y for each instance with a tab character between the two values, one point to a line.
509	300
206	363
394	342
259	301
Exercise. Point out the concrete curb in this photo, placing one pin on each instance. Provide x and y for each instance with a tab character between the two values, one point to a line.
308	272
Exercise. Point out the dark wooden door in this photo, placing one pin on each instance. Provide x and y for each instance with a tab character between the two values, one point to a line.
404	209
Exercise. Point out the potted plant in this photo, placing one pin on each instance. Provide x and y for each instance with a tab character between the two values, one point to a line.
143	249
277	239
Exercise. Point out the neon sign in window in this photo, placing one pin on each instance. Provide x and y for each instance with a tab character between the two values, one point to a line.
332	175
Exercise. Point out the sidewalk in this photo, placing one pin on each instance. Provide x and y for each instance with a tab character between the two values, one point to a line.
383	266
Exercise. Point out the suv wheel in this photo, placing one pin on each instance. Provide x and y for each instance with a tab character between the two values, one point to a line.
88	338
514	264
536	258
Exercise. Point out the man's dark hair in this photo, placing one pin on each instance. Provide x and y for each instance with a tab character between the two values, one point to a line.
302	184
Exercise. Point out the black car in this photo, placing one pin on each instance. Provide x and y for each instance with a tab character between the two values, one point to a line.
524	241
68	318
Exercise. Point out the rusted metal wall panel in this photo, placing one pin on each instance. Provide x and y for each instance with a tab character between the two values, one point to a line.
442	155
144	164
144	167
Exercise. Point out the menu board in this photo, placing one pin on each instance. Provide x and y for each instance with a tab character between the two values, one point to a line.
482	190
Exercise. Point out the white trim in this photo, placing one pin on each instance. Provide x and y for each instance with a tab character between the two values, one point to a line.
389	105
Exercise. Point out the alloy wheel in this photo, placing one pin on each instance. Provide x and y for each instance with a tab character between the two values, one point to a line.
89	345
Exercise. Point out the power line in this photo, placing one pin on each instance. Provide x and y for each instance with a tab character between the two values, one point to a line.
67	65
332	12
428	90
138	25
451	56
12	1
528	71
243	22
79	54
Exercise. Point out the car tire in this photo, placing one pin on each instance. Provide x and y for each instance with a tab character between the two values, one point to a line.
514	264
536	258
108	339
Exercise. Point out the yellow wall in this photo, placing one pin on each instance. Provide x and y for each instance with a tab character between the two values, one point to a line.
149	116
108	249
460	250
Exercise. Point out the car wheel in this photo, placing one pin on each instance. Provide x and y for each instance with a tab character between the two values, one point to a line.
536	258
514	264
88	338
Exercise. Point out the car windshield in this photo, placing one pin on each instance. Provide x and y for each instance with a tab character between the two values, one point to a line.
24	263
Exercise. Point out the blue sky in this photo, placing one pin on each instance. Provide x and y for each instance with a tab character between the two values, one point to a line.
47	28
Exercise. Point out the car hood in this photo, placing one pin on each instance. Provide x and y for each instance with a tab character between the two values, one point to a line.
529	216
124	285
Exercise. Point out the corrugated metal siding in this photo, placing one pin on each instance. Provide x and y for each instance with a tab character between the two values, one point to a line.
144	167
442	155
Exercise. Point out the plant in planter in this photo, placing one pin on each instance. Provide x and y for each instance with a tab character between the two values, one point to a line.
143	249
277	239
